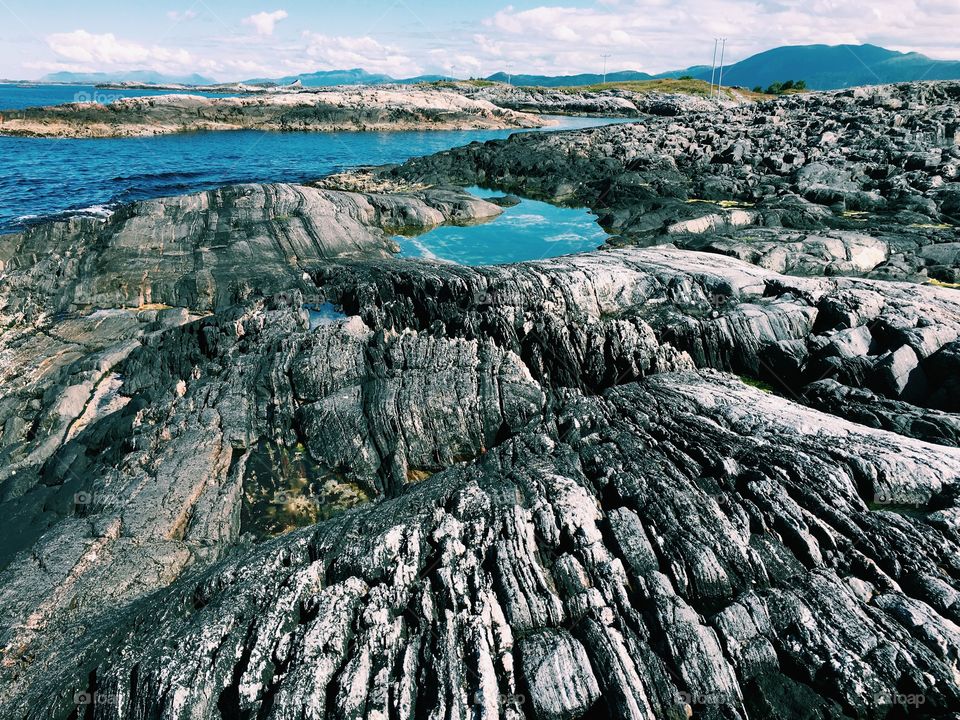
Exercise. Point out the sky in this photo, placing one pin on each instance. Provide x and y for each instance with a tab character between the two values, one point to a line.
242	39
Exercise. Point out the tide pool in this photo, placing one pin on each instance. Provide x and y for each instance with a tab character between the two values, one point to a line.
531	230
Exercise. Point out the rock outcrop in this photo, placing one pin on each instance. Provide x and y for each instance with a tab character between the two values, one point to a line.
860	181
597	101
309	480
210	249
342	109
515	423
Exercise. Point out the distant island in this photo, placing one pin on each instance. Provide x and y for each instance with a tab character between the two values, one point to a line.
346	109
135	76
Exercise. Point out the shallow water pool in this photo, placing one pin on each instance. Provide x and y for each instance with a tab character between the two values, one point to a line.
532	230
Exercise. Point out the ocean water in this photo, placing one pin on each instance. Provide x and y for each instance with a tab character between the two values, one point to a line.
529	231
43	177
18	97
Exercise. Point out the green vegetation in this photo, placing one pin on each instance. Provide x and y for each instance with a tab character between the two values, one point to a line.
685	85
472	82
700	88
941	283
758	384
723	203
284	489
930	226
784	88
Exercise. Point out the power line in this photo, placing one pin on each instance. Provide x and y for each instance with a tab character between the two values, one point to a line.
723	46
713	67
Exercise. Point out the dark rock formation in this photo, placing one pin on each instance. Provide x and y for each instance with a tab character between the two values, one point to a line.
768	182
528	491
867	408
210	249
517	560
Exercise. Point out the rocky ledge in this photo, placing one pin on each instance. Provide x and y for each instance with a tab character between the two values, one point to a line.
360	109
642	482
861	181
208	250
599	102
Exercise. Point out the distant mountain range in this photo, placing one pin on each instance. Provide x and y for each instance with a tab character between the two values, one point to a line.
827	67
569	80
133	76
330	78
822	67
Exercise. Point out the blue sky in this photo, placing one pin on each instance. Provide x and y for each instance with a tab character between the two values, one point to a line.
250	38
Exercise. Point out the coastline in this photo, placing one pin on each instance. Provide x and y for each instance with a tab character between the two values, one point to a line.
343	110
234	421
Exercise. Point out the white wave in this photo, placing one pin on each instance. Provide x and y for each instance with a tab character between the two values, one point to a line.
568	237
525	220
102	211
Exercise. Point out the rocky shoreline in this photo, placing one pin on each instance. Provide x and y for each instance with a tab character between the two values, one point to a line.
711	470
344	109
860	181
598	102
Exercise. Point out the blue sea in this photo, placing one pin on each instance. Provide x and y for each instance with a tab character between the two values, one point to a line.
42	178
20	96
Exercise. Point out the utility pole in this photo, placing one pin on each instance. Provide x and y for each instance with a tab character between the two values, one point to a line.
605	57
713	67
723	46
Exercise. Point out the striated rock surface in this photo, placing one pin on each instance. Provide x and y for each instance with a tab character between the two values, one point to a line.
570	521
342	109
210	249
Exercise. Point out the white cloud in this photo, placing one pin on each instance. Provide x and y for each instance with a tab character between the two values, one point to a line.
346	52
107	50
265	22
658	35
649	35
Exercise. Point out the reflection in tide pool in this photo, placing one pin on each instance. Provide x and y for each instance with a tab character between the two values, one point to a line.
531	230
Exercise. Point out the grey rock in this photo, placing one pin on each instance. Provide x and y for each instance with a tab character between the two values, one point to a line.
864	407
515	491
872	201
559	678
